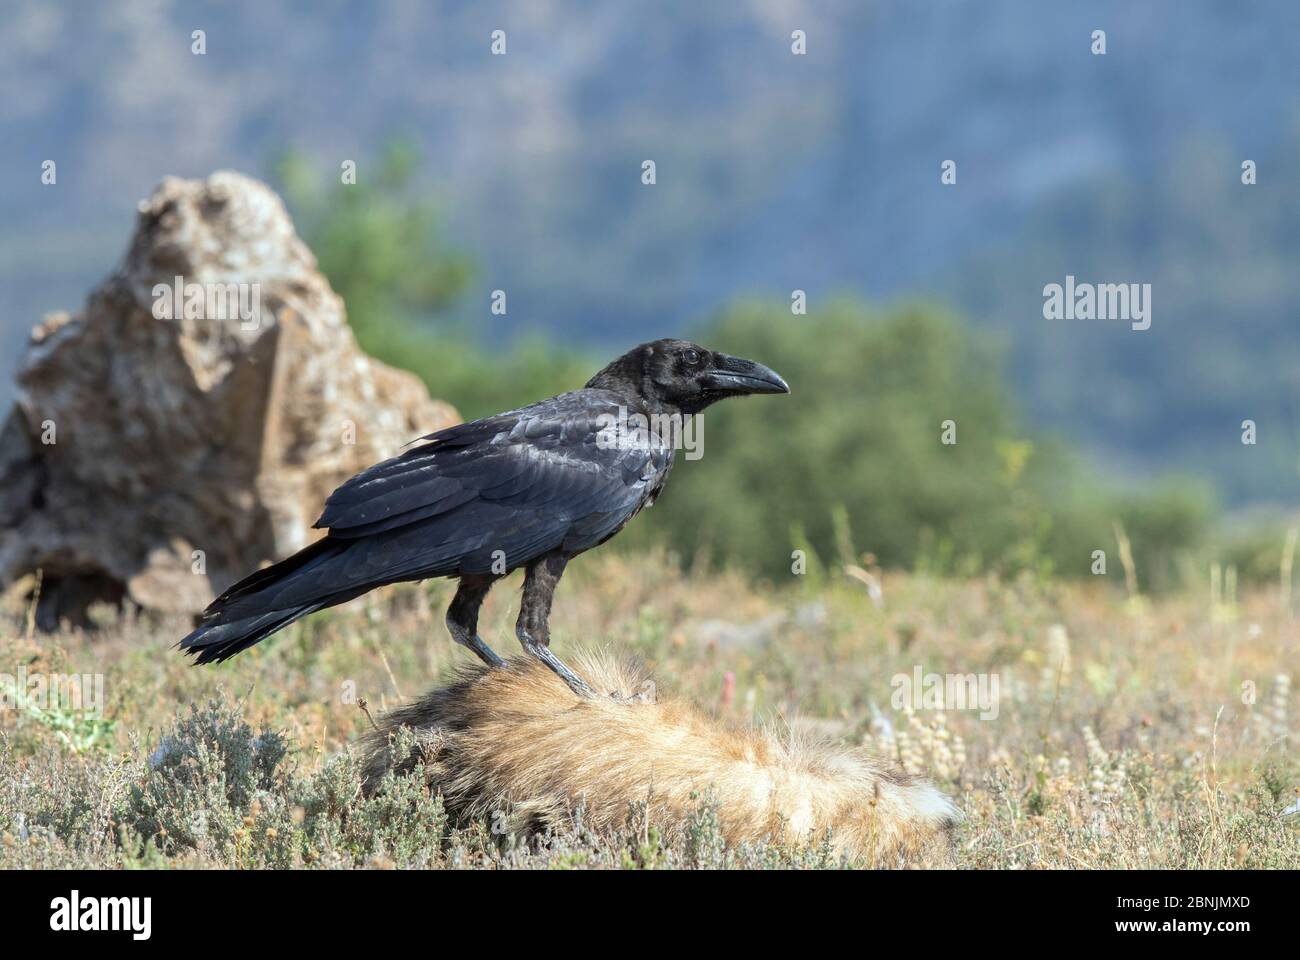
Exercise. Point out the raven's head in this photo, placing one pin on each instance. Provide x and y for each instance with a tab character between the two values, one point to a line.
684	377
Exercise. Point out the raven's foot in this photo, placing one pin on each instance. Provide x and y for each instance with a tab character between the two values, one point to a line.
575	682
476	644
645	695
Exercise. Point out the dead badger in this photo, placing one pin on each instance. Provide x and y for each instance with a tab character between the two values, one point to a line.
517	738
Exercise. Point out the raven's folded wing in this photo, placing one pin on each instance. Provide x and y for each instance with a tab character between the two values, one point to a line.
479	498
522	483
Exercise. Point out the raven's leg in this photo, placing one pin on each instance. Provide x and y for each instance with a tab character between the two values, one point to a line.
532	627
462	617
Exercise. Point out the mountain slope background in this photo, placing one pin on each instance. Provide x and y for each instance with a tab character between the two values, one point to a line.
774	172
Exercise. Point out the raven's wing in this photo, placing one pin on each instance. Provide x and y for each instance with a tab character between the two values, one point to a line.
497	493
478	498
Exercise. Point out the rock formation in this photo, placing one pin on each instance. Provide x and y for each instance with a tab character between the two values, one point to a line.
188	424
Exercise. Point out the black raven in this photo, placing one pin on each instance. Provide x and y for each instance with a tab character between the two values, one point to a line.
530	488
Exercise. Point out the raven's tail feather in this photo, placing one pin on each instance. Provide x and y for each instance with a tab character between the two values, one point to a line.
213	643
236	621
276	573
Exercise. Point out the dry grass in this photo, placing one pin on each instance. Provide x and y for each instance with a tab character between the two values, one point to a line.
1122	738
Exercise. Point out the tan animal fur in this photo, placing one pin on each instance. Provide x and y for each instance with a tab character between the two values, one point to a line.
518	739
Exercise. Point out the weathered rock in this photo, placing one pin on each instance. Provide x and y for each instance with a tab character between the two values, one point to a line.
161	459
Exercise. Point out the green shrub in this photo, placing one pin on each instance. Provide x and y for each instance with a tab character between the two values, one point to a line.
205	780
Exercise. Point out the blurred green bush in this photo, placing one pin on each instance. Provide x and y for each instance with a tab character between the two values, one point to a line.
861	435
379	241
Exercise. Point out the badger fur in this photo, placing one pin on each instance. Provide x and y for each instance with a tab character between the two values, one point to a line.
517	738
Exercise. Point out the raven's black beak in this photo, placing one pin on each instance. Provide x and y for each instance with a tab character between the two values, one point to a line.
736	376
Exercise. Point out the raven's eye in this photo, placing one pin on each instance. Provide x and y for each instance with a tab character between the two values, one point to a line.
692	357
